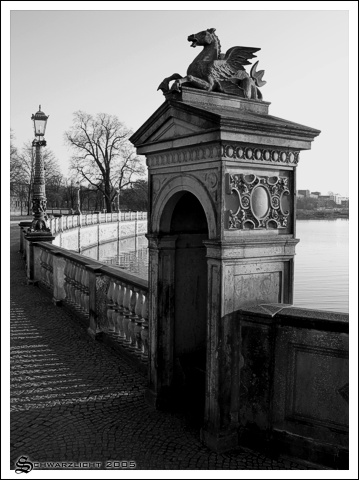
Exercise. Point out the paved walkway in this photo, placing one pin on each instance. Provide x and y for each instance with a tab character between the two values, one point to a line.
76	400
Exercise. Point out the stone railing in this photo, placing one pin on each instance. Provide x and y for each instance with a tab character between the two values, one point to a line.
293	392
112	303
66	222
80	232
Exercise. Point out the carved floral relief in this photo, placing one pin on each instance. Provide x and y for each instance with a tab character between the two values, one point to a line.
261	200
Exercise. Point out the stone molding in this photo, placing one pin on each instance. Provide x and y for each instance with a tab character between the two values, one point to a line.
188	155
235	151
259	154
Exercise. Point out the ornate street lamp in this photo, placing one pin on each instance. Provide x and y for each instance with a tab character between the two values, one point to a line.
39	224
78	209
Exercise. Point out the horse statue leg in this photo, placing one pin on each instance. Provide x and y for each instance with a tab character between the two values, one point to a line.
196	82
164	85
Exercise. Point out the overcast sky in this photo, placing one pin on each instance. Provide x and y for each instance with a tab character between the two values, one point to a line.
113	61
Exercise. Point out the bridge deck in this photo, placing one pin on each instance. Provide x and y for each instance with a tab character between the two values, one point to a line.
73	399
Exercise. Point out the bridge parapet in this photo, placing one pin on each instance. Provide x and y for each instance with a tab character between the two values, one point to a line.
292	392
111	302
79	232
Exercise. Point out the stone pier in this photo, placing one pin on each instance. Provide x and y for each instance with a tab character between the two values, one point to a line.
222	180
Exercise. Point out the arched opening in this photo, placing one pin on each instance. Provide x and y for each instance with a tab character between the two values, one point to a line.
188	225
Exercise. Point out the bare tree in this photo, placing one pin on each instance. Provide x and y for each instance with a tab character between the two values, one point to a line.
136	197
103	154
16	172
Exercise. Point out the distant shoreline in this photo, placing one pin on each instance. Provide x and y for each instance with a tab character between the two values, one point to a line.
319	215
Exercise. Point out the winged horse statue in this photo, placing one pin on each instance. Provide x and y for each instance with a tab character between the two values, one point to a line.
212	70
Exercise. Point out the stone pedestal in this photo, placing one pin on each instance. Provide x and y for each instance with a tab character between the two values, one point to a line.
33	265
239	163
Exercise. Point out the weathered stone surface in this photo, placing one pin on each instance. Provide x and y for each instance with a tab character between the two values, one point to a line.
294	381
233	161
74	400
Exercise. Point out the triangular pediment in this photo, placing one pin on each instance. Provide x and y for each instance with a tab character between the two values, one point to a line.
174	120
204	116
174	128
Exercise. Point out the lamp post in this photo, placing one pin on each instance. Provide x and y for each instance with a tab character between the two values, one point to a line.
39	224
78	209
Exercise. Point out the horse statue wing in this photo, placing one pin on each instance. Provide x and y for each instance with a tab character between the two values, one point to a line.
236	57
231	64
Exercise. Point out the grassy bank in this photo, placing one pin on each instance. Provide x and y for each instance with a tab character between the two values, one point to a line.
320	214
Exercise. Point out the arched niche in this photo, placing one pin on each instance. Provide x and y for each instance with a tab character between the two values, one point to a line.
180	276
170	194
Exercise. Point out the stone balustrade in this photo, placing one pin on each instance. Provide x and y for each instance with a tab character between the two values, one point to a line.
66	222
80	232
112	303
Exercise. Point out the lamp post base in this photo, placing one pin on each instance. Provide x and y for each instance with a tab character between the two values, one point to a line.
39	236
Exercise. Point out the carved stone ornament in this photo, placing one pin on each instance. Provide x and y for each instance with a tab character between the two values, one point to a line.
188	155
259	155
212	70
260	202
40	222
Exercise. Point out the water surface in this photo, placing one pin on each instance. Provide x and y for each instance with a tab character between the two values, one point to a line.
321	272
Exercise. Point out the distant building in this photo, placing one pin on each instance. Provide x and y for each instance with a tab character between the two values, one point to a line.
316	193
303	193
326	201
339	199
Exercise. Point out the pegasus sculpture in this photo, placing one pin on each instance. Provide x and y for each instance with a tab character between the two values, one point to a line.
212	70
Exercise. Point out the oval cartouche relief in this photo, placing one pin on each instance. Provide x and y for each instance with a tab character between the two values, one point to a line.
260	202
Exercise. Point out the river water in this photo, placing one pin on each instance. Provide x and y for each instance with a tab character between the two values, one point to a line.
321	273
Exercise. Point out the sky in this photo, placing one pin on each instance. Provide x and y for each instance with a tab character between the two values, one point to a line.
112	61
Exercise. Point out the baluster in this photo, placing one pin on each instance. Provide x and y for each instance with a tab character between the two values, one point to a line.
86	292
138	323
69	281
76	284
144	332
115	313
120	312
72	283
82	289
127	313
133	317
110	307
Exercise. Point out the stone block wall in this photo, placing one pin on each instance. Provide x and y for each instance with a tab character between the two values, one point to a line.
294	382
